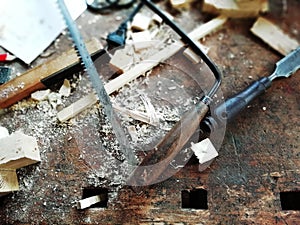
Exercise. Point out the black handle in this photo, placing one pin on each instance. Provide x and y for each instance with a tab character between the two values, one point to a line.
231	107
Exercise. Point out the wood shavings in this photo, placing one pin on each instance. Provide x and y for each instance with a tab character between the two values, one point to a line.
150	110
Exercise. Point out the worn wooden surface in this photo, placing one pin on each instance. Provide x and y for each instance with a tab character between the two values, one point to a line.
258	159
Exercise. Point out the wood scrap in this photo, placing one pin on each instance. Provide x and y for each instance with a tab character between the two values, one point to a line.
204	150
8	181
274	36
3	132
18	150
40	95
87	202
65	89
121	60
192	56
140	69
140	22
231	8
180	4
141	40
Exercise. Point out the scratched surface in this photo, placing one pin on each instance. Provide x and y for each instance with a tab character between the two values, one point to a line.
258	159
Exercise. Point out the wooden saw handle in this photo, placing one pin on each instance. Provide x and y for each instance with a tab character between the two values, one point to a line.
39	77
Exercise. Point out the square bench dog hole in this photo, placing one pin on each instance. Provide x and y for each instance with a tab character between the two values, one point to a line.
290	200
194	199
102	192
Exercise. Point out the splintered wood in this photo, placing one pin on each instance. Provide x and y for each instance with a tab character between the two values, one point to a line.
235	9
274	36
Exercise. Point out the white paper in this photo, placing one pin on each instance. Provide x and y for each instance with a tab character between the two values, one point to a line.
28	27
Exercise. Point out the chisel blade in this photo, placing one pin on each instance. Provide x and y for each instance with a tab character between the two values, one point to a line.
287	66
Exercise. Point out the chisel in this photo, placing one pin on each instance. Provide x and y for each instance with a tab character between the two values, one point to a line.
226	111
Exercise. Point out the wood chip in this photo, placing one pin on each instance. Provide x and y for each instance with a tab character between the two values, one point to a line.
274	36
40	95
65	89
204	150
231	8
140	22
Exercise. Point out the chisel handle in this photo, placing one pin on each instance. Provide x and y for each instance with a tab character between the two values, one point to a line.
229	109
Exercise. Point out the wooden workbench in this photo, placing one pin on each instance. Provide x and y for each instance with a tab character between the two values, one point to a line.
258	159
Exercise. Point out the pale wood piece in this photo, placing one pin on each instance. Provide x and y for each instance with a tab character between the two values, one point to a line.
40	95
192	56
77	107
65	89
18	150
180	4
140	22
3	132
8	181
87	202
230	8
140	69
141	40
204	150
121	60
274	36
207	28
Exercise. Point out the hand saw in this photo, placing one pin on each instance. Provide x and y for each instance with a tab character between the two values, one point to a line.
97	83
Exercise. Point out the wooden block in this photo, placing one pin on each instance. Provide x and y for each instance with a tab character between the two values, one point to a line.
204	150
87	202
8	181
274	36
141	40
140	22
121	60
232	9
18	150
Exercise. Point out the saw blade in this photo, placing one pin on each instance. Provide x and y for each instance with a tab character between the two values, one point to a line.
96	82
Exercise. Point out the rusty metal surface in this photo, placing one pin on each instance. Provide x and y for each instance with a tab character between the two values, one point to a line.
258	159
